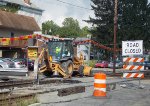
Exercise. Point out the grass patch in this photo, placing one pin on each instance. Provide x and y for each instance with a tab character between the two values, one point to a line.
19	102
27	102
90	63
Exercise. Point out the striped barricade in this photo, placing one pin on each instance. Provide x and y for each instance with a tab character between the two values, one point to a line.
133	75
133	67
129	59
134	70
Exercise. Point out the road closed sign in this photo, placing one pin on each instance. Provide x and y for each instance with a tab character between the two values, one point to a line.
132	47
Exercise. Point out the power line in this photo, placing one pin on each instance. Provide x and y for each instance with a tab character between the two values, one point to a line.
74	5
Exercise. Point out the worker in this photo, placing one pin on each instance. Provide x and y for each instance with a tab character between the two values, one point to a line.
58	49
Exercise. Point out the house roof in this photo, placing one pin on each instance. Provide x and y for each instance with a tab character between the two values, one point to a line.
18	22
22	3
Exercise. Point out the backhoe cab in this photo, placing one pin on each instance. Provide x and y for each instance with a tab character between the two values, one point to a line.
62	53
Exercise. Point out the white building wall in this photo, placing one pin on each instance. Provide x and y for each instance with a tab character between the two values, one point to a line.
84	49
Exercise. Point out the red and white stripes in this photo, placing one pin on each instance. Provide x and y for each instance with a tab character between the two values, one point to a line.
133	60
133	67
138	68
99	85
128	59
133	75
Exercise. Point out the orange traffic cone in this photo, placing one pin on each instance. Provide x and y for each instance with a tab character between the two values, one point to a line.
99	85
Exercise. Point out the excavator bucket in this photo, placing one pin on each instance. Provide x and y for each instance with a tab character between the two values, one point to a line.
87	70
79	65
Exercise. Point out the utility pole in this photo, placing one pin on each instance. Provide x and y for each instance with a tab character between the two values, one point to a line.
89	49
115	34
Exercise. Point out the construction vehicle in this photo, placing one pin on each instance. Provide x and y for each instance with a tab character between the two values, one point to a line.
57	58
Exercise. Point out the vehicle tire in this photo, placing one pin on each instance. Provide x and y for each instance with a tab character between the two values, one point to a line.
68	67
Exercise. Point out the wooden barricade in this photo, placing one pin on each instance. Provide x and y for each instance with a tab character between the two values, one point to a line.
134	71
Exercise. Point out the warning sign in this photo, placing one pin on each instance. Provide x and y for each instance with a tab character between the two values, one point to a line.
32	53
132	47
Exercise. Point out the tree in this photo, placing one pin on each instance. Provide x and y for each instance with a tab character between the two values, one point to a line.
49	27
10	7
133	20
70	28
85	31
103	22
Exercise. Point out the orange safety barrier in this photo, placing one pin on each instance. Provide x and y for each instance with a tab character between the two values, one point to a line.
99	85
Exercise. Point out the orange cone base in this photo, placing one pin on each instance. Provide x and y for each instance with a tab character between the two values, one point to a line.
99	93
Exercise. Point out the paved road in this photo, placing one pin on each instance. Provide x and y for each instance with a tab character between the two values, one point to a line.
130	95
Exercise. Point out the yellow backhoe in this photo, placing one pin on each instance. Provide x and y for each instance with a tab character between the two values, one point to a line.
57	58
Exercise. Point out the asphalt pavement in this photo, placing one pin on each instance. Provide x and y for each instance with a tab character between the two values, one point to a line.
129	95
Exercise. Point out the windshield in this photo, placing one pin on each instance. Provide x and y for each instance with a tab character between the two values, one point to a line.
60	49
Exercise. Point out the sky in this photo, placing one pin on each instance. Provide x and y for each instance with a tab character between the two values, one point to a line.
58	11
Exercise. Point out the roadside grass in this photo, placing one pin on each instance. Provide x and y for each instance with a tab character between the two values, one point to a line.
19	102
27	102
90	63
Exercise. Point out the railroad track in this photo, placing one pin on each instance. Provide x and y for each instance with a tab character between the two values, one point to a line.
24	83
8	98
17	83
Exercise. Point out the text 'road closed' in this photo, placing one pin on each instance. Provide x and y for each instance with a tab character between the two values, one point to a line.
132	47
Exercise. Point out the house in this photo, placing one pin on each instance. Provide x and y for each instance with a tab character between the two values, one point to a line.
24	20
23	7
15	25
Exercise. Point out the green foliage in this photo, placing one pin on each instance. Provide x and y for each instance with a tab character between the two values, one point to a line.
18	102
90	63
27	102
10	8
85	31
49	27
103	22
70	28
133	21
